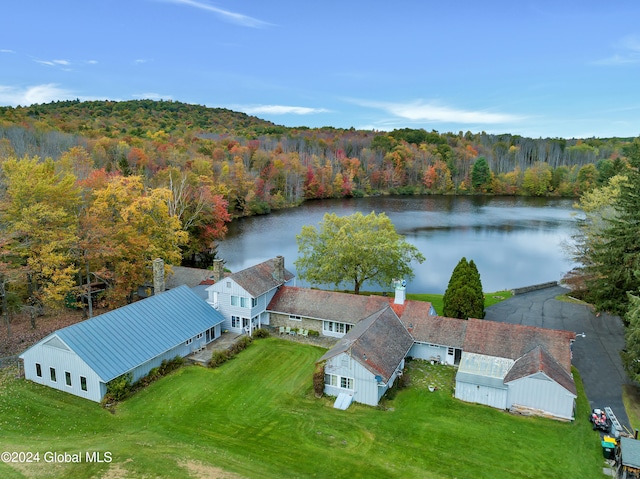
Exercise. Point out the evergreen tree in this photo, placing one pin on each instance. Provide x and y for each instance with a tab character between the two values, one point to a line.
463	298
616	258
631	352
480	175
478	295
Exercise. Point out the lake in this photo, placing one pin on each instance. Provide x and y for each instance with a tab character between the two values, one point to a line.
514	241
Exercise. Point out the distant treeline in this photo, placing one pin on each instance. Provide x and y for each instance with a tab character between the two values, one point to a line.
257	165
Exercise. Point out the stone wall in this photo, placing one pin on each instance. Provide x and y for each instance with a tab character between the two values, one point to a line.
276	320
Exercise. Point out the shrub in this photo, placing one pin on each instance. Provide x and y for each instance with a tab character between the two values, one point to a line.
260	333
318	380
404	380
240	345
119	388
313	332
218	358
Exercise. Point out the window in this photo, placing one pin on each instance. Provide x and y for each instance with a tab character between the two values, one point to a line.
189	341
346	383
234	300
52	372
295	318
38	370
328	326
83	383
235	321
228	284
331	379
243	302
67	378
245	322
199	336
450	351
254	302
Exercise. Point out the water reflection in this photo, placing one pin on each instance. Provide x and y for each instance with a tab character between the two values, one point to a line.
514	241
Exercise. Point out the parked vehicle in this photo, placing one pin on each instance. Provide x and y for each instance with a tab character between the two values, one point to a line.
600	420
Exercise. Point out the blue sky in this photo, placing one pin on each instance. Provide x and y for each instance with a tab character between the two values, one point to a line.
534	68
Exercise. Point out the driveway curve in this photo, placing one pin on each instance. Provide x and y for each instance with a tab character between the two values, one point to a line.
596	355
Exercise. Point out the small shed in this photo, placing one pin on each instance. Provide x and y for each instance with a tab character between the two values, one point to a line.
629	458
81	359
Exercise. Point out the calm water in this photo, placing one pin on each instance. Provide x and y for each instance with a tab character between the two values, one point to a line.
513	241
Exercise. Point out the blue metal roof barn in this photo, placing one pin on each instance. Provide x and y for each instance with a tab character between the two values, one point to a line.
134	338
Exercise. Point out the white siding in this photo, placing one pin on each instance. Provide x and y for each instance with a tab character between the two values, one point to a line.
223	301
429	352
62	361
482	394
538	391
365	386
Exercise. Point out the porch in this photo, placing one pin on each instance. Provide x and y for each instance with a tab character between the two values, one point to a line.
219	344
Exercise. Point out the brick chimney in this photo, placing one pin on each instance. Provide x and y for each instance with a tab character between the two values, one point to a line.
278	269
158	276
218	270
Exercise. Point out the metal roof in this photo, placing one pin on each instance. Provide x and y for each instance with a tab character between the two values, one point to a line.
118	341
630	449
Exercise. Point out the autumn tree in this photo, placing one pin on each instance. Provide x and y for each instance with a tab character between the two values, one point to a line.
135	228
38	217
355	248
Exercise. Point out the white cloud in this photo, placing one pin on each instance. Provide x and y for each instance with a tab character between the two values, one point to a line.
421	111
233	17
45	93
140	61
54	63
92	62
278	109
4	50
628	52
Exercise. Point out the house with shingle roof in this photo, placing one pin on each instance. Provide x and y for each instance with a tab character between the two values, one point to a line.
82	358
437	338
242	297
499	364
366	361
509	366
332	313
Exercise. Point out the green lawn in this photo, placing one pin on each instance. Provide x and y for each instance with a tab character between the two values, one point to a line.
256	416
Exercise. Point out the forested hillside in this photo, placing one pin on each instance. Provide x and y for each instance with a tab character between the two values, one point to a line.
93	191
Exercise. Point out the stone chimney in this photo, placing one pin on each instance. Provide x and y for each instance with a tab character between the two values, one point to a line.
401	286
278	269
158	276
218	270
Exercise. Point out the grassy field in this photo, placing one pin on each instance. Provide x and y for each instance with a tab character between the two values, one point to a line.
256	416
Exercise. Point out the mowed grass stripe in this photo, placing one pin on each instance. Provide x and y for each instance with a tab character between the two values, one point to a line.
256	416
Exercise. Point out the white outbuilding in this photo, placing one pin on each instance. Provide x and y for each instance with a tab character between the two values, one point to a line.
81	359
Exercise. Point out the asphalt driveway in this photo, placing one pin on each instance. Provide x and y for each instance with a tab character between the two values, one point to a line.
596	356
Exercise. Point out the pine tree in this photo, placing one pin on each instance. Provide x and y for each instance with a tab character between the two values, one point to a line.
616	259
463	298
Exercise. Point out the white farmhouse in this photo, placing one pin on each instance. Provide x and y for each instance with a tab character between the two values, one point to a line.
242	297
